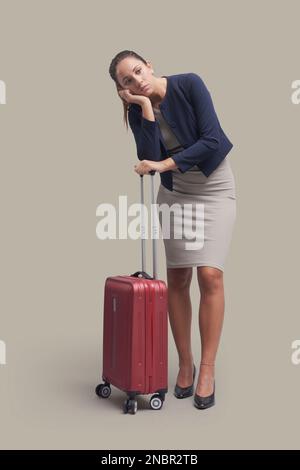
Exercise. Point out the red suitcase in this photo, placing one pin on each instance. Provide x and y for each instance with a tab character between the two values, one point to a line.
135	332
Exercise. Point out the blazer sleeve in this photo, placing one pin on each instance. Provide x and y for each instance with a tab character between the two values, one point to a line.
146	135
208	127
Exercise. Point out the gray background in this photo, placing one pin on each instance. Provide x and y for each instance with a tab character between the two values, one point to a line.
64	150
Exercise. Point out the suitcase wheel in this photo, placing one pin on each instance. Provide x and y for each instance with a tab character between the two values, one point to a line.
156	402
130	406
103	390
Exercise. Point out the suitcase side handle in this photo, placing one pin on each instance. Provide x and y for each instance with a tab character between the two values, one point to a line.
142	274
154	225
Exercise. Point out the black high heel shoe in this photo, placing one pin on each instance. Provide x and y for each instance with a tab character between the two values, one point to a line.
184	392
205	402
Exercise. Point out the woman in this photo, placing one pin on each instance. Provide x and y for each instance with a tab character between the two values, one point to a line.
178	134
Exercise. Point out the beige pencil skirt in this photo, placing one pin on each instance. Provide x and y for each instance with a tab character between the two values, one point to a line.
198	216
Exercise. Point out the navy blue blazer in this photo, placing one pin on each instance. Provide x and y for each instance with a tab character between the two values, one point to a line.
188	109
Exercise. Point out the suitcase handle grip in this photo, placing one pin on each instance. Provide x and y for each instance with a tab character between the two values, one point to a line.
151	172
142	274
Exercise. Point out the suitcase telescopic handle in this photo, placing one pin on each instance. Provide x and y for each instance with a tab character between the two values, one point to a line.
154	226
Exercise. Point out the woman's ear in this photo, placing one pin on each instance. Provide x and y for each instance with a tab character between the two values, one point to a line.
149	64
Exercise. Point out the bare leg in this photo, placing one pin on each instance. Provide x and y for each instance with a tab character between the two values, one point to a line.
211	316
180	316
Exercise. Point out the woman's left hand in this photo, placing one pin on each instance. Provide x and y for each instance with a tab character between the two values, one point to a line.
145	166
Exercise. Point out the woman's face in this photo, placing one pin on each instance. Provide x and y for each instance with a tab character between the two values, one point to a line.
134	75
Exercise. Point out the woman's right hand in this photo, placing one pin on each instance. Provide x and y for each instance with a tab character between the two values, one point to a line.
128	97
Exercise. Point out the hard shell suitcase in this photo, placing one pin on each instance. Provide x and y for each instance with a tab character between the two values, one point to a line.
135	331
